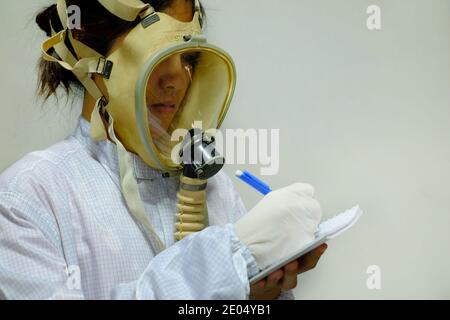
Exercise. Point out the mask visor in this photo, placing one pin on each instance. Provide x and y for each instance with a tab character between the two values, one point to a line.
188	88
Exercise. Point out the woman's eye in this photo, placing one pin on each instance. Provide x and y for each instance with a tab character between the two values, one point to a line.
191	58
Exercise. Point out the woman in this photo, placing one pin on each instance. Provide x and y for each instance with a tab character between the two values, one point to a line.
66	230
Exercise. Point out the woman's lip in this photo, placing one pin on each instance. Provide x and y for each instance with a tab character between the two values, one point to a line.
163	107
168	105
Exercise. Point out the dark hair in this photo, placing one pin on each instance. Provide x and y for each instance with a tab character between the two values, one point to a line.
99	29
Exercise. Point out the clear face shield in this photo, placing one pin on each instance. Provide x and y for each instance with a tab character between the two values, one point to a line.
166	93
184	88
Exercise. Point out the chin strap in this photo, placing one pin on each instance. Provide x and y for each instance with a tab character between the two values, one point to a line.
130	190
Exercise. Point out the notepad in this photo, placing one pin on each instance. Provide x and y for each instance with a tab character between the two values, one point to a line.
327	230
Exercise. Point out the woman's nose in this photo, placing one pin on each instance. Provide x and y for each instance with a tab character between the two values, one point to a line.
172	74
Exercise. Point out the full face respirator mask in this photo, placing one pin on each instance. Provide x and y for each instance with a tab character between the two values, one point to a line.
163	76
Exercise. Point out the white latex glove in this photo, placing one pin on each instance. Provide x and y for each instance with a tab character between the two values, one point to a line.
280	224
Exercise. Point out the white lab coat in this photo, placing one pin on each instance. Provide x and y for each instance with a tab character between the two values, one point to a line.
65	231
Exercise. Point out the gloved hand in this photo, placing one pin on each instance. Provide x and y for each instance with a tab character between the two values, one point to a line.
281	223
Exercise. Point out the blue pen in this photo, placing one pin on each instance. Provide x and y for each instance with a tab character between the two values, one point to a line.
253	181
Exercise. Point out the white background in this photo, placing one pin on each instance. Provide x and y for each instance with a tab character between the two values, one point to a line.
364	117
